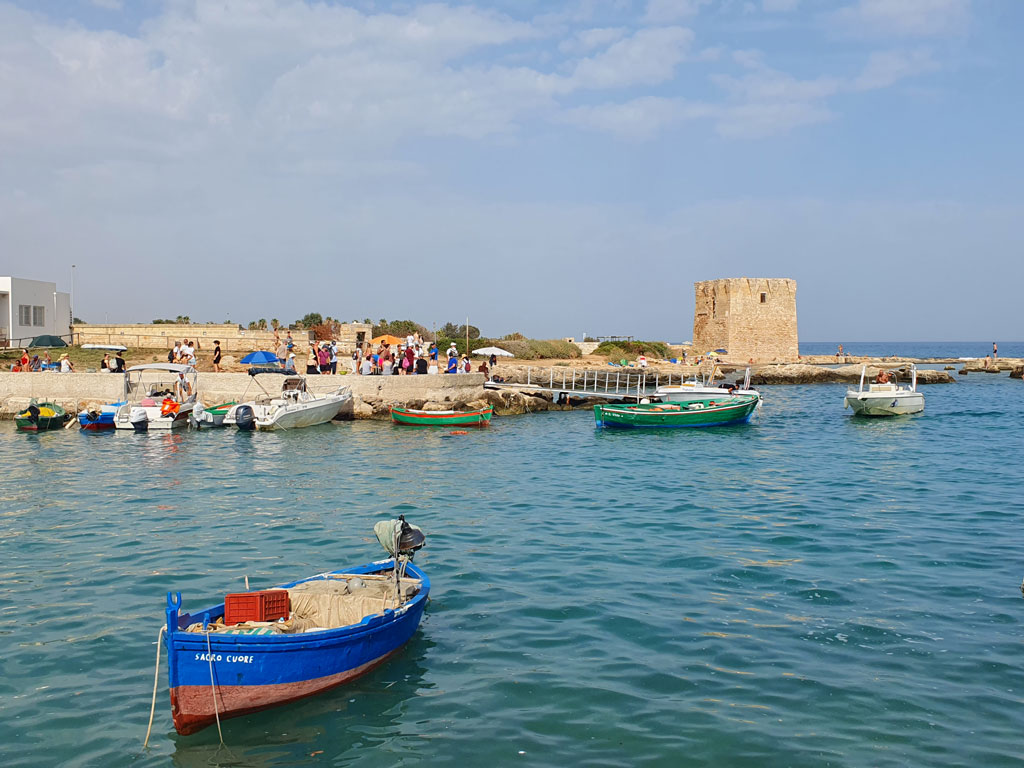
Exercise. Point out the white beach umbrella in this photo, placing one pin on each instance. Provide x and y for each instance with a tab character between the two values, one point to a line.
488	351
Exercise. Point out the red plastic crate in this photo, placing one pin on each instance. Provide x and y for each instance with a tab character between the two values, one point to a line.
268	605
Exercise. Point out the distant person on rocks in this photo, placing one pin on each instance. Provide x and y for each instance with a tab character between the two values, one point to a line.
65	364
216	356
105	363
324	359
995	351
433	352
484	369
311	361
47	359
467	365
119	362
175	354
333	349
642	361
366	366
288	341
24	360
453	352
36	364
290	362
453	365
421	366
494	359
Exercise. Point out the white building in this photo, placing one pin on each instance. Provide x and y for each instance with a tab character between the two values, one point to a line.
30	308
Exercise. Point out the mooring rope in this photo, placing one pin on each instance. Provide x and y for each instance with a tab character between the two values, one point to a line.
156	680
213	686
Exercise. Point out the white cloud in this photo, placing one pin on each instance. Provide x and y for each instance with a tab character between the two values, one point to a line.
649	56
638	119
885	68
587	40
905	18
779	6
672	11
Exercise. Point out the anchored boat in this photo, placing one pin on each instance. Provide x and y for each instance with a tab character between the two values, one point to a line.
709	412
39	417
157	396
884	396
210	416
702	388
410	417
292	408
333	627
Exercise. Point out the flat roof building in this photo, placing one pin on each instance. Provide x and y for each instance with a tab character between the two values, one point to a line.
30	308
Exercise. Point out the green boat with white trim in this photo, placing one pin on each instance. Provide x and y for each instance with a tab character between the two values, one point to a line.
708	412
414	418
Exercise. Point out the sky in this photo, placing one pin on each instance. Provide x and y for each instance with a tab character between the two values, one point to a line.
549	168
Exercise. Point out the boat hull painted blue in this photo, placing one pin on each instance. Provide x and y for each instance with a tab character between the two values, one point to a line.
254	672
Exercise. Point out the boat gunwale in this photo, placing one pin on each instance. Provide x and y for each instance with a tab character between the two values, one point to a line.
183	640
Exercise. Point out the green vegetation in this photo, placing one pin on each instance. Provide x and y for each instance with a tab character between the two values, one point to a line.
400	328
525	349
615	351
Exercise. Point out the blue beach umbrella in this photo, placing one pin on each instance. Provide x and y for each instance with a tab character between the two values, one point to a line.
259	358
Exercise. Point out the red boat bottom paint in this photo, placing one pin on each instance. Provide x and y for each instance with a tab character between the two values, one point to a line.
192	705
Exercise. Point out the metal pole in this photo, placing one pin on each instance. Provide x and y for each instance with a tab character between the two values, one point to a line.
563	379
528	369
551	383
617	374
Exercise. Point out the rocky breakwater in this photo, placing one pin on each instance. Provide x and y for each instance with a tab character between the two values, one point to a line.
984	365
816	374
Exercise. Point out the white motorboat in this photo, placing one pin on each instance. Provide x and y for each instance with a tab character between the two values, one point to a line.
157	396
884	396
293	407
703	388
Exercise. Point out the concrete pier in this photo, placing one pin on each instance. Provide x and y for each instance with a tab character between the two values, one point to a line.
372	396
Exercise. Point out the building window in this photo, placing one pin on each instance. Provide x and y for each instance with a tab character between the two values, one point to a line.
764	298
39	316
24	314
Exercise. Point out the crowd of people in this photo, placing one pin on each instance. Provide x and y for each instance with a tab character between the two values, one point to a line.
414	356
32	363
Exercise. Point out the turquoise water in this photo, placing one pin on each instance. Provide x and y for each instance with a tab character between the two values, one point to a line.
808	590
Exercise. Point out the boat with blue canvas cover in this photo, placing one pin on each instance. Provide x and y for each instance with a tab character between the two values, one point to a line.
340	625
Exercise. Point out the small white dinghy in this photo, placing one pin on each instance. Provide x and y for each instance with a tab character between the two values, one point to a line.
884	397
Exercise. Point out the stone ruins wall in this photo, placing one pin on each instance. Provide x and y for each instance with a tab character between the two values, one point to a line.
232	338
752	318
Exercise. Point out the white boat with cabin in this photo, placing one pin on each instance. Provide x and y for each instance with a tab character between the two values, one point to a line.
703	388
292	408
884	396
157	396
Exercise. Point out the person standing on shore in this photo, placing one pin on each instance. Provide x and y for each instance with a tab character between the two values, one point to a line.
216	356
334	357
311	363
995	351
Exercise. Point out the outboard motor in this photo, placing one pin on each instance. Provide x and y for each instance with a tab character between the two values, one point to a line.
196	417
139	419
245	419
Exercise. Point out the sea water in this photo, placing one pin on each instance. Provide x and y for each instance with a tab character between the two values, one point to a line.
811	589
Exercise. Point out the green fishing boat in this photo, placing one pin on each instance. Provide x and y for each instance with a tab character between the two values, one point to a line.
39	417
709	412
410	417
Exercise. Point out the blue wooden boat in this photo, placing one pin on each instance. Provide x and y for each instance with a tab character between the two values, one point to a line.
217	672
96	421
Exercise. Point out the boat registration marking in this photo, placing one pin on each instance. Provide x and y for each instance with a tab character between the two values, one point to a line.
231	658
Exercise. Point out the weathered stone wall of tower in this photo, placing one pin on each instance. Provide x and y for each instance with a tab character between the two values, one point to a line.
752	318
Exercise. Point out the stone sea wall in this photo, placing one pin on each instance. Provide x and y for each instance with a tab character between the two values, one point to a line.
372	396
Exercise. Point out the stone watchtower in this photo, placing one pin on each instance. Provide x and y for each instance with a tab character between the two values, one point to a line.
751	317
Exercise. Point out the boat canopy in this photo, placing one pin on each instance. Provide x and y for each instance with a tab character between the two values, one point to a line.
170	367
258	371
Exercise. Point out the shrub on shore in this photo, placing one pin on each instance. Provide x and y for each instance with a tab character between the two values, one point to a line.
523	349
629	350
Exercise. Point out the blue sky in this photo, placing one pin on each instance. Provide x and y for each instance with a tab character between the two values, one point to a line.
548	168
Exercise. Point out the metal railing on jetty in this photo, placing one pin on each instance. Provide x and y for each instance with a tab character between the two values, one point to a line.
620	384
